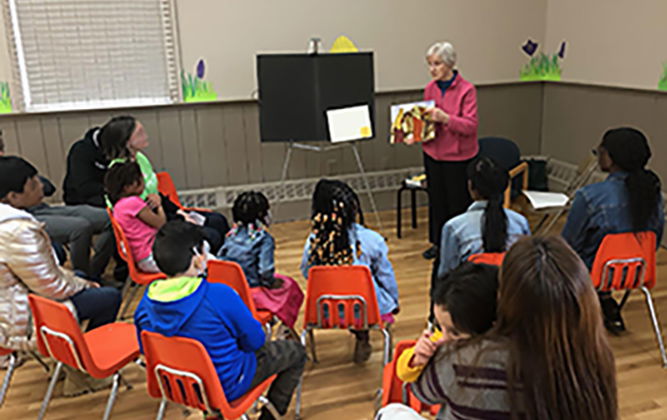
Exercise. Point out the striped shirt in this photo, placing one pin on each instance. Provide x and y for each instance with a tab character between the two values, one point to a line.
470	382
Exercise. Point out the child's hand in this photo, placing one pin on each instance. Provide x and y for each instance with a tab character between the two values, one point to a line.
154	201
425	349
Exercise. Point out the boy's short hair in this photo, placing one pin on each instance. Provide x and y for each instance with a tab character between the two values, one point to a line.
174	246
14	173
469	293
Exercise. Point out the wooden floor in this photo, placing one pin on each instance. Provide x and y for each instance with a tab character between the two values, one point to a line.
336	388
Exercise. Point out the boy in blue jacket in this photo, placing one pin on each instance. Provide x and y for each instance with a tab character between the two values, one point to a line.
186	305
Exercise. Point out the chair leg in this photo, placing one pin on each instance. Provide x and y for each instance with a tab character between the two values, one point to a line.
413	207
312	345
161	409
386	354
36	356
656	325
13	360
112	396
269	406
49	390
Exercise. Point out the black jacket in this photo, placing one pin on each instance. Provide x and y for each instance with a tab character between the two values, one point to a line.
86	167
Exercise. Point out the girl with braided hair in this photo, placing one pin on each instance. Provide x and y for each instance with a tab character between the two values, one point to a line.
338	237
251	246
486	226
629	200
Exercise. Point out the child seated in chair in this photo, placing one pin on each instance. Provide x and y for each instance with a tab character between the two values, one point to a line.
186	305
251	245
486	226
124	184
338	239
464	306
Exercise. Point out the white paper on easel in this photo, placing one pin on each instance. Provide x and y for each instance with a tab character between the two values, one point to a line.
543	200
347	124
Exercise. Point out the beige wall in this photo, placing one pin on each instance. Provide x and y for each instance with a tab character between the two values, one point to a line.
610	42
576	116
487	33
218	144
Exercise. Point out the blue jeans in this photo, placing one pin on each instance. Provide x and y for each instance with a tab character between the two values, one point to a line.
98	305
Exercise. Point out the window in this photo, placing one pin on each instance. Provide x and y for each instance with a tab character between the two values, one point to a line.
79	54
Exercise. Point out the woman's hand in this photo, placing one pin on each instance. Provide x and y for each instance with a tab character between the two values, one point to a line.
438	115
409	140
187	217
154	201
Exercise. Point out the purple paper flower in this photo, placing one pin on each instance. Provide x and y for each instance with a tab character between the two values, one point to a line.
201	67
561	51
529	47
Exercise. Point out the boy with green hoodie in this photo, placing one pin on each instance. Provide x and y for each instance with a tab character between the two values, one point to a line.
187	305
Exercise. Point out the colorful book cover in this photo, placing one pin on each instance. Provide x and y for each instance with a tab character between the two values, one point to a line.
411	121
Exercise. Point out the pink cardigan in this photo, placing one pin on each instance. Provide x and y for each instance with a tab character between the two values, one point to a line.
457	140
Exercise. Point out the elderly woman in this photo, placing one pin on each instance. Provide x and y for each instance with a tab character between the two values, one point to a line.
447	156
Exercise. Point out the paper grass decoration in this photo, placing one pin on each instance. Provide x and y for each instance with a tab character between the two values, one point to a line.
542	66
194	88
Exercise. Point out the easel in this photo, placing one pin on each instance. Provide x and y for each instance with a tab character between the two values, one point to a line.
313	148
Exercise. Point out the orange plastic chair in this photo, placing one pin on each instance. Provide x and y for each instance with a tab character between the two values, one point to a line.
165	185
396	391
626	261
489	258
138	277
341	297
231	274
13	360
101	352
180	370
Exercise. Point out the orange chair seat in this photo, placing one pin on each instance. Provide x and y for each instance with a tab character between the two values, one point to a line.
111	346
5	352
264	316
241	405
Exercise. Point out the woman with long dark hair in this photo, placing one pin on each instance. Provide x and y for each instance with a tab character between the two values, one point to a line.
629	200
486	226
547	357
338	237
123	139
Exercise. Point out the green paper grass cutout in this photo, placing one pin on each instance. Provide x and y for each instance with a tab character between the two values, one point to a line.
542	67
5	100
662	85
194	88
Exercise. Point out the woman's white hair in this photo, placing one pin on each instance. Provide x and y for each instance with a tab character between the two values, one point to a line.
444	50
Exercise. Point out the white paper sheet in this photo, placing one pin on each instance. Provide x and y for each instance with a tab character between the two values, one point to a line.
347	124
543	200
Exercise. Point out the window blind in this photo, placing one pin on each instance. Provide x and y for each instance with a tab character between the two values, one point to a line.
79	54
